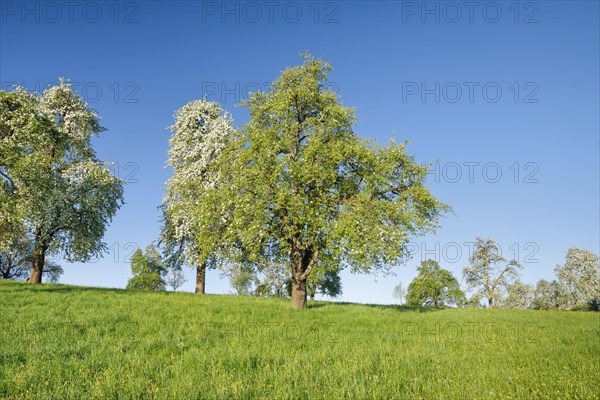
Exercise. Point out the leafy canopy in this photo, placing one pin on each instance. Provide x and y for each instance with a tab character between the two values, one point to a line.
299	182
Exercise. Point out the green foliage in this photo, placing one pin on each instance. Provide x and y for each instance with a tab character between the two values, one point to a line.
324	282
148	270
146	281
434	286
107	344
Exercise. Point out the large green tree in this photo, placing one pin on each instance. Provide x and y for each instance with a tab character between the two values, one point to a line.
54	185
200	132
489	274
434	286
300	180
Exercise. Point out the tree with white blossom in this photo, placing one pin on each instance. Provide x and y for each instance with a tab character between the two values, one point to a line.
489	274
59	191
175	278
579	280
200	132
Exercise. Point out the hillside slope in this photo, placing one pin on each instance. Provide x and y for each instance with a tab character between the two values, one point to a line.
59	341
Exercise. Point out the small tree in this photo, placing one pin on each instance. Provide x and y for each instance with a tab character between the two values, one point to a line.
579	280
434	286
474	301
175	278
489	273
148	270
274	280
519	295
325	282
546	294
399	293
241	277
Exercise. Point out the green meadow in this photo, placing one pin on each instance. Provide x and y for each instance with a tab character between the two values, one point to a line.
68	342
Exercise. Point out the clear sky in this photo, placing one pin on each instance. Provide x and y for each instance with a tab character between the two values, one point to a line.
504	94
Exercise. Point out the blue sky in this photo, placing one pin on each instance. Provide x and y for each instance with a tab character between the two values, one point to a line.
505	95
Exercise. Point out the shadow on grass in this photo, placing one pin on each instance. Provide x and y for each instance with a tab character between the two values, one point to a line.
377	306
20	286
403	308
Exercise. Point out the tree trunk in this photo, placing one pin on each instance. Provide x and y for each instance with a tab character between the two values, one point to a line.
200	277
299	263
302	258
490	302
37	268
6	272
298	292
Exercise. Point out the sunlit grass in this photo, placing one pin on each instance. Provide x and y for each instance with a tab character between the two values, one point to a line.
61	342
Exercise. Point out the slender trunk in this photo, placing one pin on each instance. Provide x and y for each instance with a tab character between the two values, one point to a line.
37	268
490	302
200	277
6	272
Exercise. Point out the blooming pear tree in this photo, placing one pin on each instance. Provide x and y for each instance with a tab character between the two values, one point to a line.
579	279
300	180
519	295
200	133
63	196
489	274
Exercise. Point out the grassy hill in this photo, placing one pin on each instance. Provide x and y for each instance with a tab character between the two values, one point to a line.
63	342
